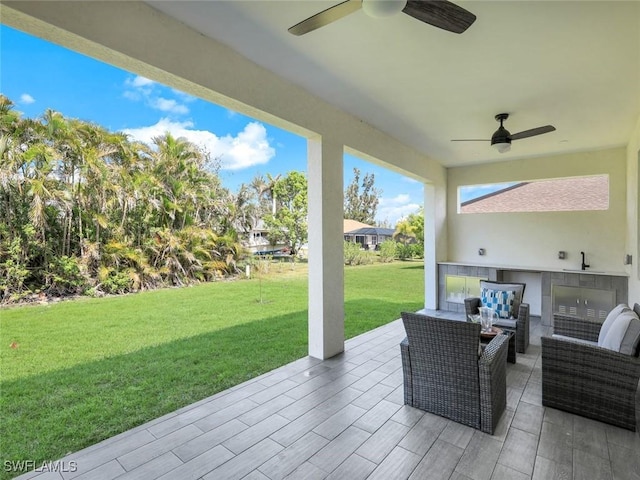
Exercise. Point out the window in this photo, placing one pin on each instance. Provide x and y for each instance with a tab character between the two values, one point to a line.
550	195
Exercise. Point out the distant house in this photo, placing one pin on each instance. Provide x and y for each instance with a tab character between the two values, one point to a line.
556	195
366	235
257	241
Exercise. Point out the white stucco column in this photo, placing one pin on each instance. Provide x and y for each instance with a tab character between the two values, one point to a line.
326	263
430	247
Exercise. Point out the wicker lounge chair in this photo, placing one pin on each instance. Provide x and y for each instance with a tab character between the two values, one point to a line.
586	379
444	373
520	324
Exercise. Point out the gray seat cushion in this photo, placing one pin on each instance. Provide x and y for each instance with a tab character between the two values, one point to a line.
574	340
503	322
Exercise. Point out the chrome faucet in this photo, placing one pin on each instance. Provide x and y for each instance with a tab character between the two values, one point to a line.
584	265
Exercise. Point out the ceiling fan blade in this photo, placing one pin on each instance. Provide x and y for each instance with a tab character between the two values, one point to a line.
441	14
533	132
326	17
471	140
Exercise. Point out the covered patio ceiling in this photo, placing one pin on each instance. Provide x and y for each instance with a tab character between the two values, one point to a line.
574	65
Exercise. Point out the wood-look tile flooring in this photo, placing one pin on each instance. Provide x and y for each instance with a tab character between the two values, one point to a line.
344	418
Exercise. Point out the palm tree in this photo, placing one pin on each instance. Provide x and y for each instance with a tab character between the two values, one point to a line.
404	232
73	194
264	189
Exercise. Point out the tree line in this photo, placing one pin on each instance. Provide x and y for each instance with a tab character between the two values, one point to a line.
87	211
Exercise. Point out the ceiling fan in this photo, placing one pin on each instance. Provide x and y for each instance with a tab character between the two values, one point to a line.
501	139
439	13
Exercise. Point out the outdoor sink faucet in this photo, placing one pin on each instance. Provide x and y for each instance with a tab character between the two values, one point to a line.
584	265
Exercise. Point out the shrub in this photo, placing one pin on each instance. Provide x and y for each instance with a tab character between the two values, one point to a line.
113	281
408	251
354	255
351	252
404	251
65	276
418	250
387	251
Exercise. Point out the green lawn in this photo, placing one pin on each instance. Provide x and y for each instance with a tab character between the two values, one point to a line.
87	369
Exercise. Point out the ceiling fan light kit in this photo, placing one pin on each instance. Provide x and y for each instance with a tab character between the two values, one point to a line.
501	139
383	8
502	147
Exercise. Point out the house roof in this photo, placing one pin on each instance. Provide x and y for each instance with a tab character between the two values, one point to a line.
565	194
372	231
350	225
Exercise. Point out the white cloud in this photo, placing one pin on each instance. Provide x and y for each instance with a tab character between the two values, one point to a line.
27	99
249	148
393	209
139	81
168	105
399	199
132	95
142	89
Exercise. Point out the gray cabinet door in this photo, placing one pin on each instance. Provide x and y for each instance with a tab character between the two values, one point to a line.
597	303
456	288
459	287
566	300
589	303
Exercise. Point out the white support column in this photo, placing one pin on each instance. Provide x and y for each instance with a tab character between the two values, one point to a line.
326	262
430	247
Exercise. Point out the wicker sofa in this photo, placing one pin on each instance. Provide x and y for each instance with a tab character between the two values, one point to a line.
444	373
519	324
588	380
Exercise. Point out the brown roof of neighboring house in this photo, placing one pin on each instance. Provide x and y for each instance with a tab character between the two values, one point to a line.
350	225
565	194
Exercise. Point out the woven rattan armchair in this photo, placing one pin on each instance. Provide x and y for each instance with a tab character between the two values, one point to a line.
520	324
444	373
588	380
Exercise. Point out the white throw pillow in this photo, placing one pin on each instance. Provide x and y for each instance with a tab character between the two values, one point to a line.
606	325
616	333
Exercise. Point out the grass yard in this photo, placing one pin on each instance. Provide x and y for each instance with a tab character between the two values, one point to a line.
77	372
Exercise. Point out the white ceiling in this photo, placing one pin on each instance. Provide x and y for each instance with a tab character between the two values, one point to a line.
571	64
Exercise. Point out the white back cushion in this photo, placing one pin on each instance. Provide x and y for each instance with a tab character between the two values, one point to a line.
631	339
606	325
616	332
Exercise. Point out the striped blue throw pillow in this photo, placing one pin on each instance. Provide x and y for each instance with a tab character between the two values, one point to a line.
499	300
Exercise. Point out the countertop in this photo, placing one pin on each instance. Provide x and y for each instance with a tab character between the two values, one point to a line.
539	269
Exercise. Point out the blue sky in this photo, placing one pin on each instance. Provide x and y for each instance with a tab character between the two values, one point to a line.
37	75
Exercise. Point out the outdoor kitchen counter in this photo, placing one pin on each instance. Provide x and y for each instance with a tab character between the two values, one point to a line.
540	281
516	268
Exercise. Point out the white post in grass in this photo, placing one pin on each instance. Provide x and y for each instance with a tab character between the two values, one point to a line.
326	262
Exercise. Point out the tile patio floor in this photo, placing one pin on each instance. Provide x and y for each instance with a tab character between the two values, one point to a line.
344	418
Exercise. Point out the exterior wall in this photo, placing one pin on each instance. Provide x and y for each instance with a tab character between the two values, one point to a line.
633	213
534	239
